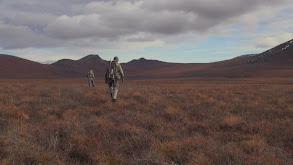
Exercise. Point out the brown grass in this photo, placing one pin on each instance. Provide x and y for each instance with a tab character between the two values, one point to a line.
192	122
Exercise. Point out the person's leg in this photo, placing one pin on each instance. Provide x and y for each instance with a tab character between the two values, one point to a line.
93	81
89	84
110	84
115	90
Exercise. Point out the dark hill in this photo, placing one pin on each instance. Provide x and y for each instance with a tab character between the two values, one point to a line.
276	62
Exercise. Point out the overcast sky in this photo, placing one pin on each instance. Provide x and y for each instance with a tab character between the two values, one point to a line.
168	30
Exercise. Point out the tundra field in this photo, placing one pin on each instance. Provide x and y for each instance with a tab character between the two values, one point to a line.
160	122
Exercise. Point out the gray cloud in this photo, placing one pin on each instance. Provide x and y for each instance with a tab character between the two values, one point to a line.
19	37
53	23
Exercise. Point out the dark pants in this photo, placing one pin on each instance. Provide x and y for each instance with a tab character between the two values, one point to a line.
91	83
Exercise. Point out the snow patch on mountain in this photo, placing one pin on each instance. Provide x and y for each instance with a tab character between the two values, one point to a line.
287	46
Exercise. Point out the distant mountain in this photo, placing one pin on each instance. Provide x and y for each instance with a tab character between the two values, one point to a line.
280	54
82	66
276	62
15	67
143	61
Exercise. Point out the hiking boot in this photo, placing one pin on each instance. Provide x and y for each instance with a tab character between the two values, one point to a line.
114	100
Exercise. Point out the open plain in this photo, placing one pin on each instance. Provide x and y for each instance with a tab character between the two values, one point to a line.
156	122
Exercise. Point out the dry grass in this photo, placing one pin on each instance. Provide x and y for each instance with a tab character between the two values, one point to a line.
188	122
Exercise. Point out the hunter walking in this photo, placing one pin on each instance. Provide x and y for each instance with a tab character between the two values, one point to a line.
113	75
91	78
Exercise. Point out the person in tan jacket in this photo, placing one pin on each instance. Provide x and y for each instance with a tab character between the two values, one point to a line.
91	78
114	73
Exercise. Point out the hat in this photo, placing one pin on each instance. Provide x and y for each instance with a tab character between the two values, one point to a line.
116	58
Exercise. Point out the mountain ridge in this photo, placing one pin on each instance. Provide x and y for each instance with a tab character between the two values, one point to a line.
275	62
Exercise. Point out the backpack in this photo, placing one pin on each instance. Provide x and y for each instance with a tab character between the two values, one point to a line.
112	72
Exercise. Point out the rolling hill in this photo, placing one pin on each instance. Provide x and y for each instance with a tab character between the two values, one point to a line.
80	67
15	67
276	62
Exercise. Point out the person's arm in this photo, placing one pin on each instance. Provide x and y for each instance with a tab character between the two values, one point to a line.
94	76
121	72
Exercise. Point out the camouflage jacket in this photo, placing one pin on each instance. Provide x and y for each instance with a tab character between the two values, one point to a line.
90	75
118	71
